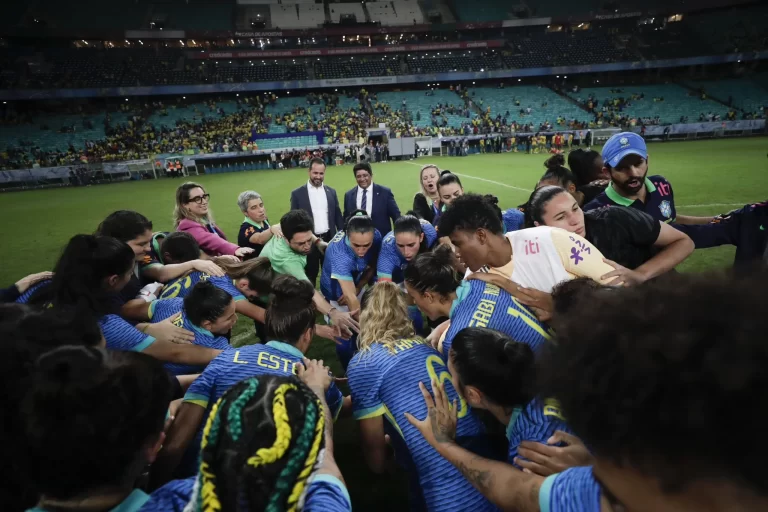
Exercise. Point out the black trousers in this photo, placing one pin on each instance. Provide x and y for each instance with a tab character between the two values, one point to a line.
315	259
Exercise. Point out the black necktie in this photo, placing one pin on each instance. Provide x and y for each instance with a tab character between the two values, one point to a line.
364	202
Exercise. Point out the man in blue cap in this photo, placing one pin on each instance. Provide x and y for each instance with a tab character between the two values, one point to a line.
625	158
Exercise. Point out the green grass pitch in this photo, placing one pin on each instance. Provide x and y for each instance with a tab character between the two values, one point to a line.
708	177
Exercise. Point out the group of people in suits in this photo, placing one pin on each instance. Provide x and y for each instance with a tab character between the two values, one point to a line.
322	203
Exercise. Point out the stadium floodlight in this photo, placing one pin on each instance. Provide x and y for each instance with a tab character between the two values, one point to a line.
519	79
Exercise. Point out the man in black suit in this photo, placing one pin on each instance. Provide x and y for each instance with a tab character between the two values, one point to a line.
322	204
377	200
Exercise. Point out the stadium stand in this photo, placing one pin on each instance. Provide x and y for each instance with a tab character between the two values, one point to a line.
407	12
544	103
746	95
382	12
482	10
355	67
558	49
310	16
661	104
284	16
337	10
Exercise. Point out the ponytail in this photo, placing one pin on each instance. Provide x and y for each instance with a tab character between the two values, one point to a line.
433	272
359	222
258	271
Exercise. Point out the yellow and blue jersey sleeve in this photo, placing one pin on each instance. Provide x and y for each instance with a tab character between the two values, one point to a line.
365	379
24	297
201	391
121	335
579	257
161	309
537	422
172	497
481	304
326	493
389	257
573	490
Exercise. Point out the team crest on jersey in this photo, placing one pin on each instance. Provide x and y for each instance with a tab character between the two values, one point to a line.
666	209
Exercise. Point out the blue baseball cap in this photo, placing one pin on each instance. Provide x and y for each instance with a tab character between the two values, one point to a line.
621	145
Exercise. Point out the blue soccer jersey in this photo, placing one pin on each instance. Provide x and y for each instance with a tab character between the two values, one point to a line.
324	493
513	219
159	310
481	304
236	364
537	422
181	287
121	335
24	297
385	382
391	263
342	264
573	490
172	497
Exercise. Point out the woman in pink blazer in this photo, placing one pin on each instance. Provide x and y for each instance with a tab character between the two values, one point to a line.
193	216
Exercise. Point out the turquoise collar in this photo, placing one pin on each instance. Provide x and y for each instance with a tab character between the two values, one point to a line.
461	293
623	201
515	413
285	347
202	331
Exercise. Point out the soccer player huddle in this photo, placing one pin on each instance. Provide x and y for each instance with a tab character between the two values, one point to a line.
546	357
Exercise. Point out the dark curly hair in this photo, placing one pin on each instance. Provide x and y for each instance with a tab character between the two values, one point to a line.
669	378
262	441
471	212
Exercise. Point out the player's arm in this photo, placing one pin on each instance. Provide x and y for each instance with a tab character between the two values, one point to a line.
349	293
164	273
343	320
136	310
251	310
374	444
689	220
675	247
265	236
177	438
505	486
182	354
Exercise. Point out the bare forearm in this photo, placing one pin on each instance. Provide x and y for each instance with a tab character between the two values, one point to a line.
686	219
322	305
165	273
261	238
507	487
669	257
251	310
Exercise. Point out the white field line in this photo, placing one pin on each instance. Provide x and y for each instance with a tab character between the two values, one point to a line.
529	190
483	179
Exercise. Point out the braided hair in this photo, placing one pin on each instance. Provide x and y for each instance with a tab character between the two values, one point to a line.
263	440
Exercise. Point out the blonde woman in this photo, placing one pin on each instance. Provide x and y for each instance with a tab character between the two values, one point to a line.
427	202
385	378
192	215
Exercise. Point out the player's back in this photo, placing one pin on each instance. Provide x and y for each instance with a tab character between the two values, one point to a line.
536	422
481	304
160	310
180	287
172	497
385	381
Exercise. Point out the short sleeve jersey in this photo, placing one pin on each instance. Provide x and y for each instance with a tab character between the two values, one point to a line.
384	382
659	200
513	219
481	304
179	288
119	334
324	493
537	422
342	264
249	228
172	497
624	235
159	310
285	260
236	364
573	490
391	264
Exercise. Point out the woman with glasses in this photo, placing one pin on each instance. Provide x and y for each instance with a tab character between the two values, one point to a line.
193	216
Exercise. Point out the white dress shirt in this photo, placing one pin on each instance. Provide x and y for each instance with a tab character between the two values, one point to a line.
318	201
369	199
